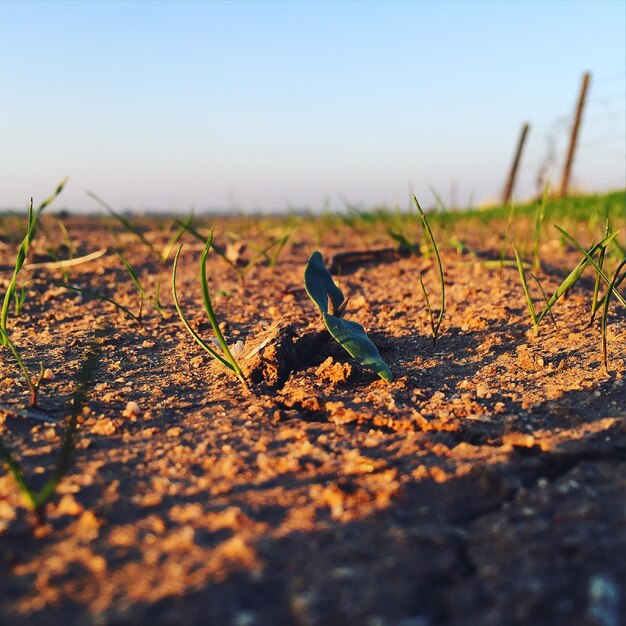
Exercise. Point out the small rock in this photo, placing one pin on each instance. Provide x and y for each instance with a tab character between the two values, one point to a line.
132	410
482	391
68	506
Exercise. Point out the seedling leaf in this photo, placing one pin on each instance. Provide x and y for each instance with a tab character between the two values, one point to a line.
320	286
354	339
330	301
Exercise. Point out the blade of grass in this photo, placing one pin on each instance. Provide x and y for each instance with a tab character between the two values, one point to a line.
98	296
19	262
596	285
183	227
573	276
38	499
540	214
18	475
155	302
123	221
186	324
51	198
131	272
439	268
431	315
605	311
618	282
529	300
211	313
79	400
545	299
593	262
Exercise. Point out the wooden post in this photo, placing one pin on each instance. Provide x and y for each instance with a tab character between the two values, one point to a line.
567	168
510	182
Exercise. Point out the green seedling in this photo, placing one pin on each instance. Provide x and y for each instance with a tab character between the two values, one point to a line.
143	296
505	238
404	245
38	498
20	298
10	294
596	285
589	258
276	248
567	284
573	276
98	296
228	360
124	222
435	324
534	317
183	227
540	215
616	280
330	301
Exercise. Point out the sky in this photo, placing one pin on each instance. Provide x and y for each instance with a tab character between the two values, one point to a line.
269	106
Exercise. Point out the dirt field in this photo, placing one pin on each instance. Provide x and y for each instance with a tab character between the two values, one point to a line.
483	486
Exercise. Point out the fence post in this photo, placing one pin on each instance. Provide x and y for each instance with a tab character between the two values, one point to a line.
567	168
510	181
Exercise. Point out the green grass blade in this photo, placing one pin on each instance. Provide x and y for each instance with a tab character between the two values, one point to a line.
442	285
529	300
573	276
593	262
596	285
79	399
50	199
29	379
262	253
183	227
38	499
605	311
545	299
19	262
123	221
281	243
98	296
186	324
618	282
18	475
211	313
131	272
431	315
540	214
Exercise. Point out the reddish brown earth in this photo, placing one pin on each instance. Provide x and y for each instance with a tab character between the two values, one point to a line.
484	486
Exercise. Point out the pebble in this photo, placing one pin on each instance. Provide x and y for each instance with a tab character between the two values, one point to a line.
132	409
482	391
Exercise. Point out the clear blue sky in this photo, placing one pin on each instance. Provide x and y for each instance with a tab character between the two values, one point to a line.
270	105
